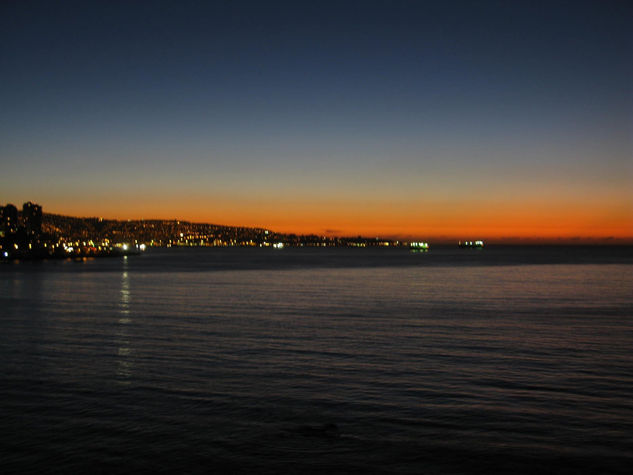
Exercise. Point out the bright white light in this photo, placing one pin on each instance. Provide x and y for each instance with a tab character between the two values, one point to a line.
6	254
142	246
278	245
125	247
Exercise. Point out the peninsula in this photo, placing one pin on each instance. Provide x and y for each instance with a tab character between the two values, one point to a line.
30	233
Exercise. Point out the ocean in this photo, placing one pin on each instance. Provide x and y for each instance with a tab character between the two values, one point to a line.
327	360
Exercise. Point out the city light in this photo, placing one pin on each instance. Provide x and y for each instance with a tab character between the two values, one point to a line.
64	236
472	244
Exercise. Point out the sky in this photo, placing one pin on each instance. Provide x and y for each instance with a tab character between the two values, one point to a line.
495	120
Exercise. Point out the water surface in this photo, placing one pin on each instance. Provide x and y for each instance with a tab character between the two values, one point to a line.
319	361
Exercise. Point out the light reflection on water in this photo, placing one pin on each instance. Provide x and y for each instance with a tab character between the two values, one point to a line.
496	367
124	370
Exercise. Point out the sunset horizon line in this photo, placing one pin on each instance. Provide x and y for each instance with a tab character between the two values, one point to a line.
443	238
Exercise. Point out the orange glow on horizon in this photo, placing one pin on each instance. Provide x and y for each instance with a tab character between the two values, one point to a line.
439	222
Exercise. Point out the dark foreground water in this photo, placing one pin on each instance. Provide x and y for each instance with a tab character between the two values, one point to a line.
506	360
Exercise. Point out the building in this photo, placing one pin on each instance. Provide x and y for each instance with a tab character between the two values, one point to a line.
9	219
32	218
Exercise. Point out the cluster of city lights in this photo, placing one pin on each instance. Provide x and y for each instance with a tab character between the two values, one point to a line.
471	244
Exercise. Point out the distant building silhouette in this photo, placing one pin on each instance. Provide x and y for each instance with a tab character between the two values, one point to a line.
32	219
21	233
9	219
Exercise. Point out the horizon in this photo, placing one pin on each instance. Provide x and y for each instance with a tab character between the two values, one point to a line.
502	122
432	238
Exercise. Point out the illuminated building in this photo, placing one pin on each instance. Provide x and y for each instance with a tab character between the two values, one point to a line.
9	219
32	218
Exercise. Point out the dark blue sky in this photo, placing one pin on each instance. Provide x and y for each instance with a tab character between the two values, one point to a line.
156	107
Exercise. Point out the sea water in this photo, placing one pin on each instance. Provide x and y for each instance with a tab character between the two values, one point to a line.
505	359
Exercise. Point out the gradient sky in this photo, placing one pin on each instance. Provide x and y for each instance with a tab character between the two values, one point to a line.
493	120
